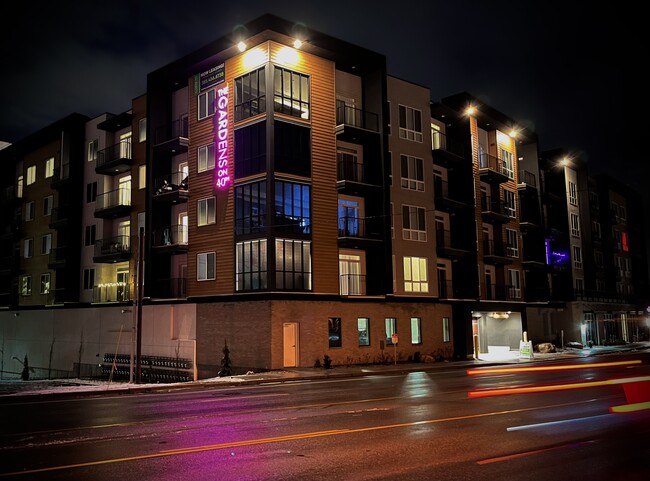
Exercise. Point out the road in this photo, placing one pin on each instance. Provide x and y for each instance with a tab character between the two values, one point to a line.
411	426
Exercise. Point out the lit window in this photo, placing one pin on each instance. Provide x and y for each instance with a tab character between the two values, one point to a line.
626	248
416	332
291	93
49	167
142	176
250	94
446	332
31	174
205	157
251	262
415	274
205	263
410	123
142	129
93	147
206	209
391	328
45	283
19	187
363	330
26	286
334	331
207	104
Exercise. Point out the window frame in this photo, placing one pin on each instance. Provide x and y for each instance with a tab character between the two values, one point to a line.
446	330
281	93
26	285
49	167
206	104
46	290
46	245
409	115
416	331
363	328
48	205
30	175
251	265
256	104
210	217
205	157
422	281
205	276
413	178
411	213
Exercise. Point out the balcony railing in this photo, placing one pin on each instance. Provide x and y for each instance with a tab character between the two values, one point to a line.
352	284
441	142
174	182
501	293
493	248
353	117
494	168
527	178
177	128
170	235
350	170
59	216
112	292
114	203
114	159
445	289
494	210
57	257
113	249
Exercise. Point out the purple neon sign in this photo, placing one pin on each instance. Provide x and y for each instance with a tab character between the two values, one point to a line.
221	121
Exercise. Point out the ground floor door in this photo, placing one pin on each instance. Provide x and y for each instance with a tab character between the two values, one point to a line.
290	342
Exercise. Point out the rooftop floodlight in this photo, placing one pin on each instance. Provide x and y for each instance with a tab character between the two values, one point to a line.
241	46
470	110
297	43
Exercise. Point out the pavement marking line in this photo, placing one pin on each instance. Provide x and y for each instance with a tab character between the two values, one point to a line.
290	437
562	367
557	423
533	452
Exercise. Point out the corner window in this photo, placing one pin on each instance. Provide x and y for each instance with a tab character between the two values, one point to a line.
363	331
292	149
250	151
250	208
334	331
416	330
291	93
250	94
251	262
292	207
205	266
292	264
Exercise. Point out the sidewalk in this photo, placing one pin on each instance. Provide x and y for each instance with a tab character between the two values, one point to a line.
11	389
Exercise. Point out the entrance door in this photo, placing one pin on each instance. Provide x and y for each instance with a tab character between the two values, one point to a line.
290	340
122	285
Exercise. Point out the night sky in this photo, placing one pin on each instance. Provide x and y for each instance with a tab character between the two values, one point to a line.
549	65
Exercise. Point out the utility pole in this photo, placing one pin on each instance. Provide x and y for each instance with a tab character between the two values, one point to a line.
138	360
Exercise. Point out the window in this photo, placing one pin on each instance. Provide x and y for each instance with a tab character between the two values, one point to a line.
508	163
207	104
205	156
623	213
250	150
292	207
436	137
415	274
391	328
446	333
45	283
250	208
363	331
510	202
19	187
251	265
416	332
291	93
348	165
26	286
29	211
93	147
392	221
334	331
595	230
49	167
28	248
412	173
46	244
577	257
205	263
598	259
512	243
142	130
206	209
250	94
142	176
414	223
292	264
410	123
89	279
350	222
31	175
600	285
292	151
91	192
352	281
47	205
573	193
89	237
580	286
575	225
514	287
624	243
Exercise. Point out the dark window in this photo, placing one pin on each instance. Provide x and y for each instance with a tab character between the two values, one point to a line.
250	208
334	331
291	93
292	207
250	94
89	278
90	235
91	192
250	150
292	149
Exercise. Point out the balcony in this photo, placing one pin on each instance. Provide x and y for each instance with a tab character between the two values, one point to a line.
446	290
112	250
493	211
495	252
61	176
57	258
355	176
444	200
115	159
173	288
59	217
112	292
527	180
353	124
446	151
493	170
352	284
172	138
355	230
170	240
113	204
8	196
9	232
446	248
497	292
9	264
171	188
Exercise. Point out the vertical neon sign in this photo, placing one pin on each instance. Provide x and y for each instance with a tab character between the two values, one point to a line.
221	119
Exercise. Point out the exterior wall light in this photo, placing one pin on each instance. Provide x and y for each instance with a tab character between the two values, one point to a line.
297	43
241	46
471	110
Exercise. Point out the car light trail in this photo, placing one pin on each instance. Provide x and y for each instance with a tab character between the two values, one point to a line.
630	408
554	387
562	367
